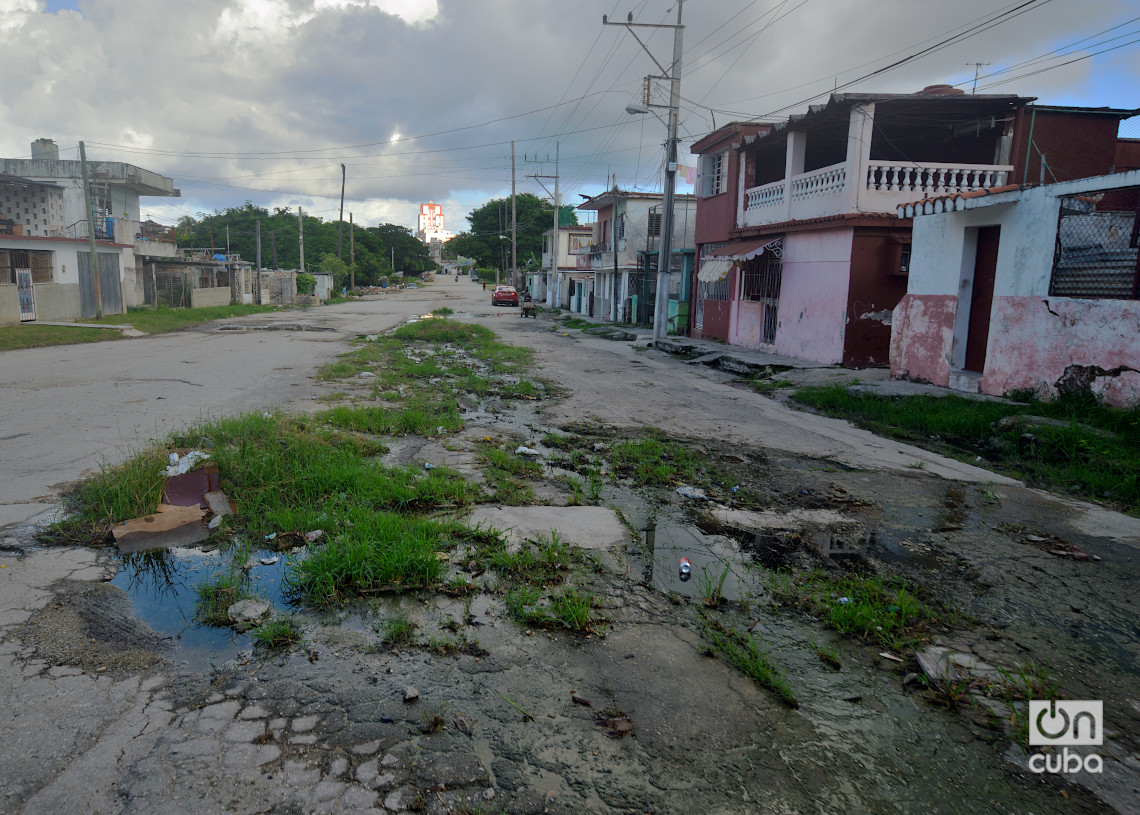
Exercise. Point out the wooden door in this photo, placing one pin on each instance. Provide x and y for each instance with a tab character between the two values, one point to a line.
982	298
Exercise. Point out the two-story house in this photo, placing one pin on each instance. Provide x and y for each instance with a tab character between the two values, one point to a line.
547	284
62	280
715	293
623	256
820	257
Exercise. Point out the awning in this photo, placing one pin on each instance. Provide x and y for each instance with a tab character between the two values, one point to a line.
714	269
746	250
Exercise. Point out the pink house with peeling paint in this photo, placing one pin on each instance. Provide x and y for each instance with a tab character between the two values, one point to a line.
816	257
1025	288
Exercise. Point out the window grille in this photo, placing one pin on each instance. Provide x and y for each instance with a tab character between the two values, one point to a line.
714	170
654	227
41	266
762	277
1096	251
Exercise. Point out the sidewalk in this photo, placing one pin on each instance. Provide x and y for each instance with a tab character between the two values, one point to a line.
798	373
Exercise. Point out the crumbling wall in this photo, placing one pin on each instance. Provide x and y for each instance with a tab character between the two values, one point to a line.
1045	342
922	336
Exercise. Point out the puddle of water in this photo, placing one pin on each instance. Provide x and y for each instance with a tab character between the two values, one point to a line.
275	327
161	587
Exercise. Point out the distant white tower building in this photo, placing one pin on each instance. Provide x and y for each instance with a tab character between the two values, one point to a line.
430	229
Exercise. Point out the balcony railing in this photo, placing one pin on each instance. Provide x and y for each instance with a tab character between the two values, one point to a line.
935	178
824	181
768	195
828	190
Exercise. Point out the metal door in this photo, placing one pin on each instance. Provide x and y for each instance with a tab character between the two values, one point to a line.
27	295
108	280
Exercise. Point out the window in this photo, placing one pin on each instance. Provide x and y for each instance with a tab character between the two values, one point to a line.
1096	252
38	261
654	224
714	174
619	228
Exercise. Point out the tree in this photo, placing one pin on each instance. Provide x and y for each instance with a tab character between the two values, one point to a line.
488	222
374	245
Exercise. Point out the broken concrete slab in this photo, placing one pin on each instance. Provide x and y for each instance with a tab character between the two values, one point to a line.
167	527
596	528
246	614
831	533
945	666
219	503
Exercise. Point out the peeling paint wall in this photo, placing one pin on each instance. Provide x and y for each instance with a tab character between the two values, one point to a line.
1034	339
922	333
813	295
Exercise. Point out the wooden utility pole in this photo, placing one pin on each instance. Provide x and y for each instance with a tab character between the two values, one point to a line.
257	298
340	223
96	271
351	253
514	224
301	238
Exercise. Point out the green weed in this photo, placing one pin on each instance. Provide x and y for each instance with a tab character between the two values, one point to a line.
1095	455
710	586
278	633
748	657
216	594
397	631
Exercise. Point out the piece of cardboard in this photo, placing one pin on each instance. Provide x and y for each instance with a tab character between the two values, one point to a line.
169	526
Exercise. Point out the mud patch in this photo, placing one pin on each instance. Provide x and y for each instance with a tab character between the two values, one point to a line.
90	626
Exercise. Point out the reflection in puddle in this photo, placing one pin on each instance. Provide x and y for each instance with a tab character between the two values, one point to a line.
669	547
161	587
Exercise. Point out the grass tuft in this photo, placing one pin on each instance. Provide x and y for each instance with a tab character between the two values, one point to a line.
748	657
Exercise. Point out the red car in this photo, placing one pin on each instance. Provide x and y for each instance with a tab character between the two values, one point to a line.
505	295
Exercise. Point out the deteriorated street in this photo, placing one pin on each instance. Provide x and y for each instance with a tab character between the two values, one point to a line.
118	702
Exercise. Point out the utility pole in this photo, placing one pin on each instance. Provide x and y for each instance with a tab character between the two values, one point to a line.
551	278
301	238
393	260
351	254
340	223
96	271
273	243
257	299
227	239
665	256
514	224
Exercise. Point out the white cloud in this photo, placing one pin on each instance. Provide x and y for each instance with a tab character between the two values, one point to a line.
271	85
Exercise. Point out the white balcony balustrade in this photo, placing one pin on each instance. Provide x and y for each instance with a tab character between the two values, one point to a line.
934	179
824	181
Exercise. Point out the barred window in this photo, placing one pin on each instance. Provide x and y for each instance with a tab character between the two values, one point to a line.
37	260
714	172
762	277
1095	254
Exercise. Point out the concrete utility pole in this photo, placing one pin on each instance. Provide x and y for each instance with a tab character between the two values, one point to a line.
351	254
257	299
301	238
340	223
96	271
664	257
551	279
273	244
514	225
227	239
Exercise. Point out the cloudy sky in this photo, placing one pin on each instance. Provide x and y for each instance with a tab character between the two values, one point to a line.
262	100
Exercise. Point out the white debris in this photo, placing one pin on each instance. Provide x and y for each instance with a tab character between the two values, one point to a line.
269	561
691	493
215	522
523	450
183	465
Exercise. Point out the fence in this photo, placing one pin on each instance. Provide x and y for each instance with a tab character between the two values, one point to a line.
1096	250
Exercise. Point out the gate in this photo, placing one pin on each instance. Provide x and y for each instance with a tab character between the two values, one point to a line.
108	280
27	295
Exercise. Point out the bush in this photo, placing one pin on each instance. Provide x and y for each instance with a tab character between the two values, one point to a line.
306	283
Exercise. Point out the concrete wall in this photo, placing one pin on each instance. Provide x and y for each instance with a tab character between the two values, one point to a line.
57	302
202	298
1033	337
813	295
9	304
